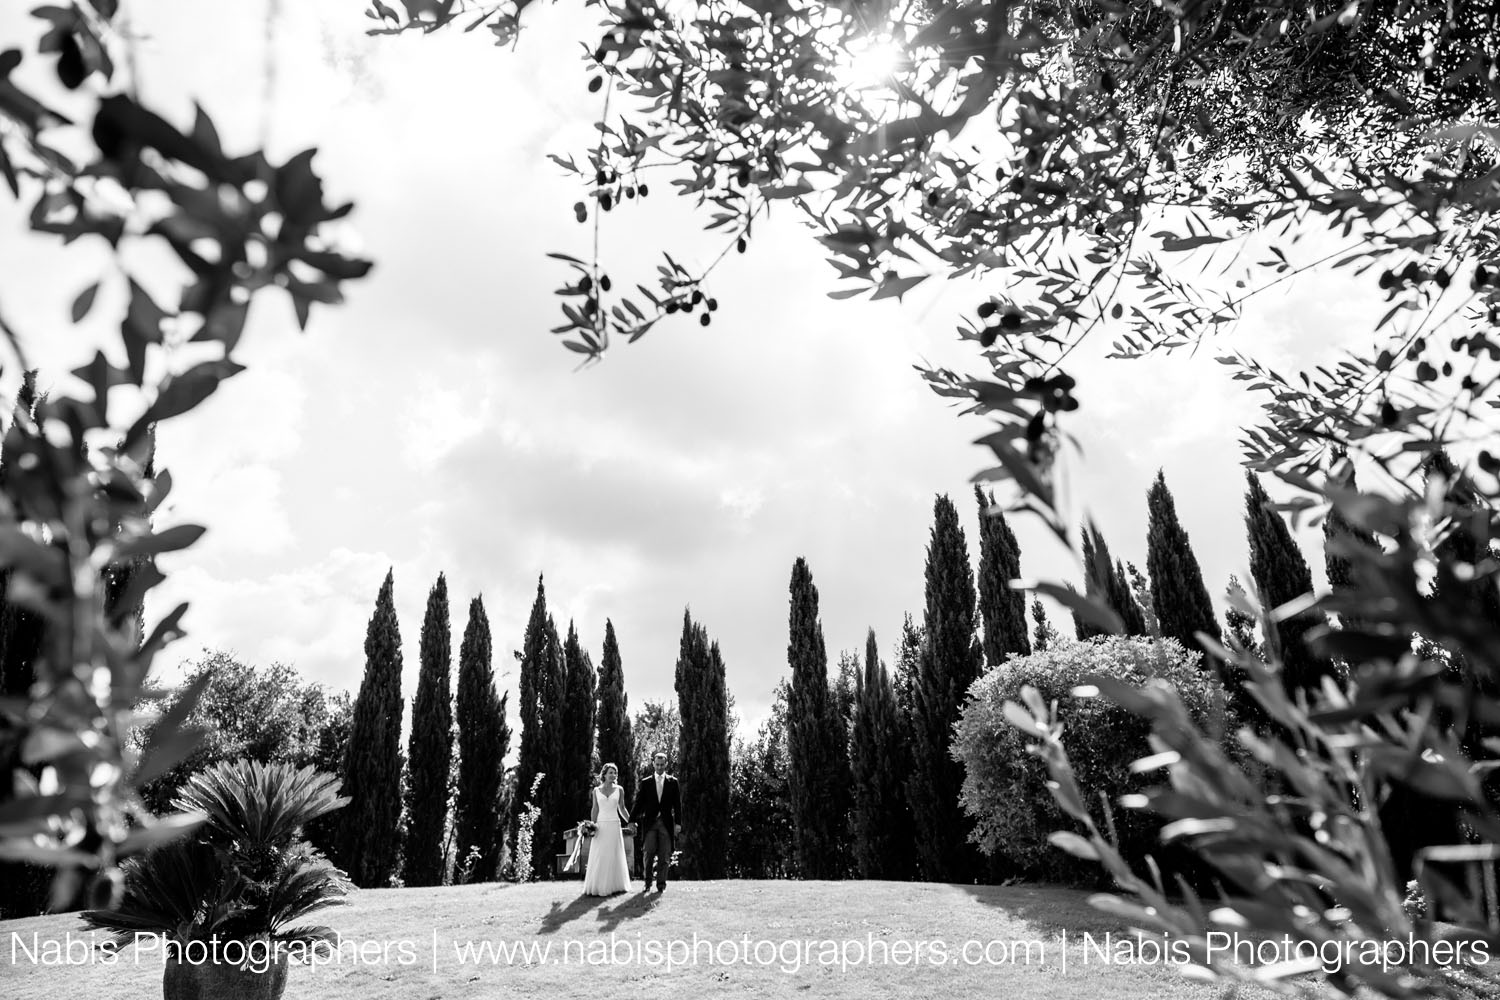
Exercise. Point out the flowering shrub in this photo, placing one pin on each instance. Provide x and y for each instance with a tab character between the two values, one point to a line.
470	862
1005	784
526	825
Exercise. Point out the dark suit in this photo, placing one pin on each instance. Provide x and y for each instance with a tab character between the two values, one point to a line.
657	820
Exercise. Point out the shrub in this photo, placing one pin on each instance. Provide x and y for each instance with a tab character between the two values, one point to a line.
243	711
246	874
1005	785
523	869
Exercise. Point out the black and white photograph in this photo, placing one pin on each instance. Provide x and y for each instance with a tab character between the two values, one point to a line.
749	498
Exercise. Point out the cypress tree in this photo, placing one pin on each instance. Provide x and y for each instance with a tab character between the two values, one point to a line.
1339	534
577	731
615	743
704	768
1241	626
542	687
483	742
815	738
1183	607
1046	635
1004	609
908	664
1104	581
1093	586
903	683
1122	599
372	769
1082	627
552	675
876	765
429	749
841	689
1140	589
1281	575
950	661
529	760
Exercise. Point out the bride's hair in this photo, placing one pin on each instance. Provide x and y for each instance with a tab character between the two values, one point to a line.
606	767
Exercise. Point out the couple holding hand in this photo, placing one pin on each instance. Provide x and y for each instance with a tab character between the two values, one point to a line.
657	808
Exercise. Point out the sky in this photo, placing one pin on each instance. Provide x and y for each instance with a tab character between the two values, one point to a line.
431	424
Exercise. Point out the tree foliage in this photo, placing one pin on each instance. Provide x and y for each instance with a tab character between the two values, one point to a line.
1046	634
656	728
1183	607
950	660
1003	609
760	810
1005	785
1281	575
1105	586
908	667
1338	535
878	764
577	720
542	687
1097	140
429	753
614	740
369	828
483	742
1140	589
268	714
816	742
703	766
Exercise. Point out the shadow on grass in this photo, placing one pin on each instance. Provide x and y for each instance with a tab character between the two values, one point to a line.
626	906
631	905
560	915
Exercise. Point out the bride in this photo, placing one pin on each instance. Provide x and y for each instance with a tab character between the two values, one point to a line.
607	871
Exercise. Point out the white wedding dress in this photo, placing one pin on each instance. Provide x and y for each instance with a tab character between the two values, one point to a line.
607	872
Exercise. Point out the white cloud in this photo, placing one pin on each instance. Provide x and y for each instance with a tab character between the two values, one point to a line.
312	616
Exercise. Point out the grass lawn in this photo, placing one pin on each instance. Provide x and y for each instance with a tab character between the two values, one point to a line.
396	928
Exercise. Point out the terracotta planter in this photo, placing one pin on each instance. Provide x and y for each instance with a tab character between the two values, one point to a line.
219	981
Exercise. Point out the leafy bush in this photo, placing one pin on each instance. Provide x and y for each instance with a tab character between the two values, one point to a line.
244	711
1005	784
760	811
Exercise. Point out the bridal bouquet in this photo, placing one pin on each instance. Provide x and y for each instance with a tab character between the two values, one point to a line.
587	828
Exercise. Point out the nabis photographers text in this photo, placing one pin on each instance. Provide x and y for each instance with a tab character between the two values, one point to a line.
258	955
792	955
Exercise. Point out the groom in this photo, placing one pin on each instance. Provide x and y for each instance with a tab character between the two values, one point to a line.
657	805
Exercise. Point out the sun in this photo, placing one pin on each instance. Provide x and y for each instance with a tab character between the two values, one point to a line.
869	63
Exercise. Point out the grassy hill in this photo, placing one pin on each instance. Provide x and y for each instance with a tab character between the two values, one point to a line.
888	939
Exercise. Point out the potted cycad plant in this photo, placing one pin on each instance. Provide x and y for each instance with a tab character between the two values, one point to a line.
221	903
